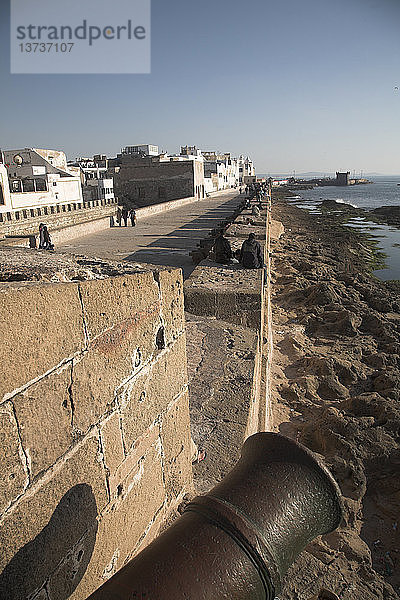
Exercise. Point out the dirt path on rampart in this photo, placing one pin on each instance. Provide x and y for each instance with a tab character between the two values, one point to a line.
336	389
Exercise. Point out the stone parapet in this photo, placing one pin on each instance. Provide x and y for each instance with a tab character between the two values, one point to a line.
27	221
94	427
229	313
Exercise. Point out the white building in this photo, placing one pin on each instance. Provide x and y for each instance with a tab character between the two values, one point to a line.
96	177
99	189
33	178
92	168
246	168
146	149
279	182
221	171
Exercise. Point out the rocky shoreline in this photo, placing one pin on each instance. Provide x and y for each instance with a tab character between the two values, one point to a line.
336	389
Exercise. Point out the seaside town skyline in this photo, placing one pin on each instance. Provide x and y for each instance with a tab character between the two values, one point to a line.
303	87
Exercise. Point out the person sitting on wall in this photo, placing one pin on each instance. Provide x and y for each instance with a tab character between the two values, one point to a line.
222	249
251	254
255	211
44	238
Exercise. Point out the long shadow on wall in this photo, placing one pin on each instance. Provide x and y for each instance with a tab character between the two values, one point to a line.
59	555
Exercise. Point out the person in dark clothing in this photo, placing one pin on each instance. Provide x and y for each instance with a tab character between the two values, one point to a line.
119	216
223	250
125	216
251	256
44	238
41	235
132	216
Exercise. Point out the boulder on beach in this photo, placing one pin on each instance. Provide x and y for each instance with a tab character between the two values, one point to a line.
393	211
334	205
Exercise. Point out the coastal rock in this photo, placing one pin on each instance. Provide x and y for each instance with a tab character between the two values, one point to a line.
390	214
334	205
334	322
347	350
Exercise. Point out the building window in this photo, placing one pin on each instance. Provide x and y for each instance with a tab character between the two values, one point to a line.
162	194
28	185
16	186
1	195
142	193
41	185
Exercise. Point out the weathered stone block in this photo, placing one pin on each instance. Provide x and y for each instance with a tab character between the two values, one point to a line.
172	303
130	463
111	436
113	358
44	416
122	525
40	325
119	303
50	519
176	443
226	308
14	477
200	301
144	398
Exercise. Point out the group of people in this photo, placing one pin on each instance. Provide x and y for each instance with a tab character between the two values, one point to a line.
45	242
250	255
123	214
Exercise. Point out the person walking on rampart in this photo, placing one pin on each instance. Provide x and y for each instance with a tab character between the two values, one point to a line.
44	238
119	216
222	249
132	216
251	256
125	216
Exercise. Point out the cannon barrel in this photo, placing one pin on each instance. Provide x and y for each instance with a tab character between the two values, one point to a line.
237	541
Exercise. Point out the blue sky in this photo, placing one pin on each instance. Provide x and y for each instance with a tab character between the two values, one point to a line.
305	85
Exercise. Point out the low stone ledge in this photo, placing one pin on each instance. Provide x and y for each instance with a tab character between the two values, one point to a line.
223	370
226	292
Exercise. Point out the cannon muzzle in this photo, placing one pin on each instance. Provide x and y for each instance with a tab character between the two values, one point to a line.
238	541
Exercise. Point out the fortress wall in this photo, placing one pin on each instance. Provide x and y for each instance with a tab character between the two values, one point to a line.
94	428
242	297
67	217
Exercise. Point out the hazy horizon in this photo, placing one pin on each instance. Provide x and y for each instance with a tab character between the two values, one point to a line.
305	87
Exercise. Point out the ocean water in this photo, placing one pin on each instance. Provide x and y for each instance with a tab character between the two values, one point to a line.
384	191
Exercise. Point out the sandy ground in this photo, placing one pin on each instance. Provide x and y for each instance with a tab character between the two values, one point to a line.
336	389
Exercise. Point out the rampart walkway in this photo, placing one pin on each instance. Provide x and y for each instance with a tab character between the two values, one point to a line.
164	239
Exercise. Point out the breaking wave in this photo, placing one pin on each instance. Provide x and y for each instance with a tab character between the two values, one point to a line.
341	201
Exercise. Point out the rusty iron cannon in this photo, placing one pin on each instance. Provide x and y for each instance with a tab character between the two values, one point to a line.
237	541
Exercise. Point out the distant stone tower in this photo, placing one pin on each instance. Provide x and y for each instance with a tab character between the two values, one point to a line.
342	178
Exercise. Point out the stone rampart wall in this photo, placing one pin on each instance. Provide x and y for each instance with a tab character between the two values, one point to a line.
146	182
57	216
94	428
242	297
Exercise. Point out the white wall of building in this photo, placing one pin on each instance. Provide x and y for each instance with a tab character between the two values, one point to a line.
60	190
